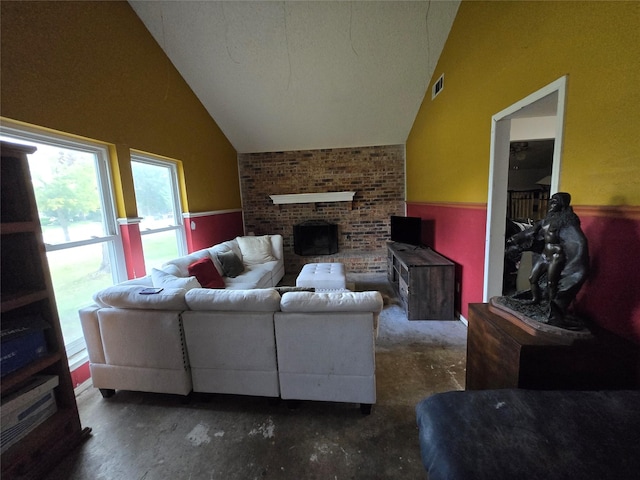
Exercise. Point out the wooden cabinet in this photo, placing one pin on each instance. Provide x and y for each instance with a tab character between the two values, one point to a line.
424	280
502	355
27	294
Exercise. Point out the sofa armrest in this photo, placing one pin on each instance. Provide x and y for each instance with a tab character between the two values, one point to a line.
129	297
277	246
91	331
150	339
144	281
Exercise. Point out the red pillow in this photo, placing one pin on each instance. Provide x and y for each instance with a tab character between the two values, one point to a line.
206	273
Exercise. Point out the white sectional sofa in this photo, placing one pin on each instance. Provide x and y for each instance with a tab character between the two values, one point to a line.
248	341
230	341
261	259
326	346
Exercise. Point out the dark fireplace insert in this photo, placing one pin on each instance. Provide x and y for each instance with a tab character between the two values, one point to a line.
315	237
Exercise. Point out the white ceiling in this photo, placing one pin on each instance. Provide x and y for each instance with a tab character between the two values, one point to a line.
279	76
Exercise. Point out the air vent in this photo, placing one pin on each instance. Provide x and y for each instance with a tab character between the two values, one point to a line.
437	87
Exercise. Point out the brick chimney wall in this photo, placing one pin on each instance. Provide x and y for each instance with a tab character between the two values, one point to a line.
376	174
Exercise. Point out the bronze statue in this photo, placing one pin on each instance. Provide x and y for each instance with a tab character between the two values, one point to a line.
560	267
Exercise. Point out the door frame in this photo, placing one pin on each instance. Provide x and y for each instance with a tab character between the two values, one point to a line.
528	107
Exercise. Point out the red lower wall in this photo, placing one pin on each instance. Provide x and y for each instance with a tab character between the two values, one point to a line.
206	229
132	245
458	233
611	296
80	375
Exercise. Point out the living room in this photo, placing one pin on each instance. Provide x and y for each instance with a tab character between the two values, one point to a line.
92	70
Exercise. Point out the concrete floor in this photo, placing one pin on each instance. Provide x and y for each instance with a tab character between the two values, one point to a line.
145	436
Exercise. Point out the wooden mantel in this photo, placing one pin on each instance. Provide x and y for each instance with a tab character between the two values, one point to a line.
313	197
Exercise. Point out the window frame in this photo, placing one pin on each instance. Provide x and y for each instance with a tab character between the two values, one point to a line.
178	227
112	237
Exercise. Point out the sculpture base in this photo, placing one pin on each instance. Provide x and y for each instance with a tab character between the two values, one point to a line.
534	322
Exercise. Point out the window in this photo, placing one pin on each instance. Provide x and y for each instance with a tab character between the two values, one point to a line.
158	201
72	186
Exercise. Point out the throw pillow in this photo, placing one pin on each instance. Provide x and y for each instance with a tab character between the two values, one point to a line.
206	273
231	265
166	280
255	250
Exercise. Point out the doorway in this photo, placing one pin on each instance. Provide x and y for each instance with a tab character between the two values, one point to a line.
540	115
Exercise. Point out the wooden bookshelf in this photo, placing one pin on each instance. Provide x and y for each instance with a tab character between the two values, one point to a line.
27	291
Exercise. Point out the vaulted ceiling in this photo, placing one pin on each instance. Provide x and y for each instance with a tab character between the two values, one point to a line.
280	76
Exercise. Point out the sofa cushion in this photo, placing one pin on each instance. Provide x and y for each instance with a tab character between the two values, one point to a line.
161	278
206	273
255	250
182	263
254	276
129	297
258	300
231	264
331	302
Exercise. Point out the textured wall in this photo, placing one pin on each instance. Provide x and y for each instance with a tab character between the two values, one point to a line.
376	174
93	70
488	65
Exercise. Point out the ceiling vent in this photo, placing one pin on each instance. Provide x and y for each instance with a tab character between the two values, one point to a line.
437	87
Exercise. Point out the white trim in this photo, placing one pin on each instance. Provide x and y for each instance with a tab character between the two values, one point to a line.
404	173
498	179
170	228
83	386
129	220
54	247
211	213
312	197
79	358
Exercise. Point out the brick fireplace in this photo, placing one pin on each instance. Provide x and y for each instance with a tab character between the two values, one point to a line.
375	174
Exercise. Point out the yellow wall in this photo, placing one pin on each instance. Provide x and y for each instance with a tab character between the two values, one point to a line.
92	69
498	53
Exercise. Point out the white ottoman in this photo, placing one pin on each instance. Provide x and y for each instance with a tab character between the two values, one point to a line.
322	276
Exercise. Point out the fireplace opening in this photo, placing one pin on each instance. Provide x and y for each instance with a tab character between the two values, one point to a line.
315	237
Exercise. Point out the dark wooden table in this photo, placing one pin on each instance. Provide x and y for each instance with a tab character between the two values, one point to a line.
500	354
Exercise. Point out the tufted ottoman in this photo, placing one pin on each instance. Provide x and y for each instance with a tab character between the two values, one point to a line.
322	276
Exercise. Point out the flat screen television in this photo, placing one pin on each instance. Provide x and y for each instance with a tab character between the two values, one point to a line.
406	230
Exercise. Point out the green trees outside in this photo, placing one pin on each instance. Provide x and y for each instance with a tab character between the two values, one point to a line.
66	189
152	185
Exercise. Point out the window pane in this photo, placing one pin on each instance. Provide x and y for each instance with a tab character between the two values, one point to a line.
154	195
77	273
67	194
157	198
159	248
75	206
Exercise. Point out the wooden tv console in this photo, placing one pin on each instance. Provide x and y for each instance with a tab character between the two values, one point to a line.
424	280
